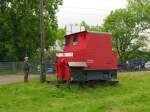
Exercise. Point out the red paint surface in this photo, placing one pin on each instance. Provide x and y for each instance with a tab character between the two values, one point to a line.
93	48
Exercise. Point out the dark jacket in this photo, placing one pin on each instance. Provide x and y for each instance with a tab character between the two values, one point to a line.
26	66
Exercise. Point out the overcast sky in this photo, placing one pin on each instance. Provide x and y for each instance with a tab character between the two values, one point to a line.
91	11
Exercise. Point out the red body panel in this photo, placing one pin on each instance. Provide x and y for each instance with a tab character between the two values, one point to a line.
93	48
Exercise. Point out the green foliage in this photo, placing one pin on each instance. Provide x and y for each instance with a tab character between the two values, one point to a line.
141	9
128	27
87	27
19	27
130	95
140	55
60	38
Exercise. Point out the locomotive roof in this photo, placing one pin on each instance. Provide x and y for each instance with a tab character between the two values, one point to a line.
88	32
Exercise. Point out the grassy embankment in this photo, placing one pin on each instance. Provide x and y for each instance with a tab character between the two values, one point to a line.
132	94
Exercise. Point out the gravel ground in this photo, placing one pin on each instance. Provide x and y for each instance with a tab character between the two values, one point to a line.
7	79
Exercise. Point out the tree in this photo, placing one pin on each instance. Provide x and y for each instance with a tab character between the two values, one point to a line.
127	30
87	27
19	27
140	9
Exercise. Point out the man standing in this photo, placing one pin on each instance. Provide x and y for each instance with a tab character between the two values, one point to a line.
26	68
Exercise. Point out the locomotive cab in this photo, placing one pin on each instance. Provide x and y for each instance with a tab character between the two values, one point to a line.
87	56
75	42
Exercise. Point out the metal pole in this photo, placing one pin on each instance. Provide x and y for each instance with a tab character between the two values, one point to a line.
71	27
42	53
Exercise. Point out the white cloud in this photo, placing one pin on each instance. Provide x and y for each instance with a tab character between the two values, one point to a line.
91	11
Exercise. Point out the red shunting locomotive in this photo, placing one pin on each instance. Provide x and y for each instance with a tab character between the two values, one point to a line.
87	56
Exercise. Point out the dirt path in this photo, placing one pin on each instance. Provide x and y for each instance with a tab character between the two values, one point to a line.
7	79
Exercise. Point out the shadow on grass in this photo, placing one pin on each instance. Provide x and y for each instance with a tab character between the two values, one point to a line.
84	85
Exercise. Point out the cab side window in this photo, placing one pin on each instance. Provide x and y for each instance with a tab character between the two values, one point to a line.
75	40
67	42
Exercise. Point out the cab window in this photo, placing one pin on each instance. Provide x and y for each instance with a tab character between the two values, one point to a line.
75	40
67	42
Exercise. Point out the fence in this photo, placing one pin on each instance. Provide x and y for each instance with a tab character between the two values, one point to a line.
13	67
10	67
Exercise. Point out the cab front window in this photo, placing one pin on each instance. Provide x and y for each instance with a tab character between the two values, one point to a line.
67	42
75	40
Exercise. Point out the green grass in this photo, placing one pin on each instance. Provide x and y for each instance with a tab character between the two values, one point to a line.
132	94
